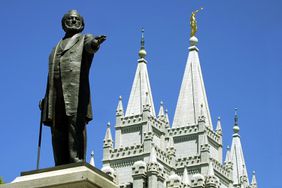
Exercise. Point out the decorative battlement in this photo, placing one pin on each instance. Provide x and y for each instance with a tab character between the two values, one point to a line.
153	167
157	123
163	156
108	143
221	169
183	131
129	120
213	135
139	167
148	136
124	152
198	180
187	161
212	181
138	119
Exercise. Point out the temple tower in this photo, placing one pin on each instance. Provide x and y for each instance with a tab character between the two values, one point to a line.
149	153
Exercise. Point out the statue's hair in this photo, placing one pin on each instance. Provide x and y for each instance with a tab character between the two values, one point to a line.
71	12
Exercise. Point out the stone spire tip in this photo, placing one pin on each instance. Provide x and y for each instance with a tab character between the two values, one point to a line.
153	156
92	159
218	126
236	128
161	114
142	52
108	135
119	110
211	171
185	178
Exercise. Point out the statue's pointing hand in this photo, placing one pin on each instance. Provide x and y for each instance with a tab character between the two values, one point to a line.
101	39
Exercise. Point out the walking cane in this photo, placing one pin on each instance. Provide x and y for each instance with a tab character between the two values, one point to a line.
40	134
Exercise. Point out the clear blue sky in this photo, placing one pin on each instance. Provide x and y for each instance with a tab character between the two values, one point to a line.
240	53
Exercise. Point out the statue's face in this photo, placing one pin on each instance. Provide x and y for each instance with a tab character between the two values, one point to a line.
72	23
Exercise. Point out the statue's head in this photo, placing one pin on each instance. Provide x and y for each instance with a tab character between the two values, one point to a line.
72	22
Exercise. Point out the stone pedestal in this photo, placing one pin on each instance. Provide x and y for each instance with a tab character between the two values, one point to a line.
77	175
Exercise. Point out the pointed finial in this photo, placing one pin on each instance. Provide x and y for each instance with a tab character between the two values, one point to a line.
166	116
205	141
202	106
185	178
171	142
161	114
244	174
201	117
142	39
150	128
147	105
92	159
211	171
108	135
119	110
254	180
236	128
244	177
142	51
227	158
153	156
236	116
243	170
218	126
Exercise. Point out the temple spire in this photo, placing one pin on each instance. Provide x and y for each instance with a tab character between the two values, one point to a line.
166	117
153	156
161	114
237	155
119	111
185	179
227	158
254	180
192	92
92	162
210	171
108	135
140	86
218	126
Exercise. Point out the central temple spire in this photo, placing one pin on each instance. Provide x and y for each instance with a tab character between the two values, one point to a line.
192	100
140	86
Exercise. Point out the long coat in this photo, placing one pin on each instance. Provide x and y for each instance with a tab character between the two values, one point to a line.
75	63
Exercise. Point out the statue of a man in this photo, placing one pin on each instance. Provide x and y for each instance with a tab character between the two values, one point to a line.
67	104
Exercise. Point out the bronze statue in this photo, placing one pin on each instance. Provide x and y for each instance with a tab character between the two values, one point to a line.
193	22
67	105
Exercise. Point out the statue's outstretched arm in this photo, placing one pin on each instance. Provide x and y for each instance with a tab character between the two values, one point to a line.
92	43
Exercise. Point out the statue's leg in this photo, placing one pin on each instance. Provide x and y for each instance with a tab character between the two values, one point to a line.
77	139
60	140
59	129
